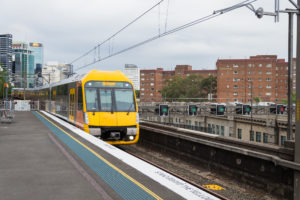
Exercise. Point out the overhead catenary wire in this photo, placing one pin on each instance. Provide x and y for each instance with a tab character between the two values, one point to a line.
119	31
192	23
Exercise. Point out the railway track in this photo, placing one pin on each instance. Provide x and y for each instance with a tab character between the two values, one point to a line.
125	148
284	153
221	187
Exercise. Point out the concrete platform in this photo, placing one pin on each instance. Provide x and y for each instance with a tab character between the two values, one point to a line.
40	159
33	167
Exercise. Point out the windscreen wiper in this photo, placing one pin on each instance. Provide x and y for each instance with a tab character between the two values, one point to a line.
129	109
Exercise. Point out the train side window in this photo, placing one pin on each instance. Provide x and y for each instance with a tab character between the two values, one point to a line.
80	100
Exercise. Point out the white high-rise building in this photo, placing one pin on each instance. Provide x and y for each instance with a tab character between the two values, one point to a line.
133	73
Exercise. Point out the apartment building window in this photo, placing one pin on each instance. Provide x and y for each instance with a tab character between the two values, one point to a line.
142	94
209	128
249	86
259	86
268	93
260	65
235	72
269	65
268	86
249	79
251	135
259	79
235	65
268	79
258	136
236	79
142	89
152	79
152	84
222	130
282	140
239	133
249	94
196	123
268	73
142	74
142	79
235	94
152	74
218	129
227	86
213	129
250	72
265	137
235	86
151	94
250	65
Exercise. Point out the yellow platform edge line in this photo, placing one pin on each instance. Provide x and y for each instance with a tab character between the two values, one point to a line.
107	162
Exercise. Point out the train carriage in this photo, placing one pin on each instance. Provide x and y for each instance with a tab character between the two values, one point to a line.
101	103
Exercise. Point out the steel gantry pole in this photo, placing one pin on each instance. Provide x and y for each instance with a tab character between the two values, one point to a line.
290	75
297	115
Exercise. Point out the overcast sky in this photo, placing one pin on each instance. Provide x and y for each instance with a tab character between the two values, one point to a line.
69	28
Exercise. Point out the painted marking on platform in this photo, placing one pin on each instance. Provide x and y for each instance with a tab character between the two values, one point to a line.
122	187
213	187
167	180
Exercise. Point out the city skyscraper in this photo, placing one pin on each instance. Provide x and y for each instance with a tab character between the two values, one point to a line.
38	52
133	73
6	52
24	65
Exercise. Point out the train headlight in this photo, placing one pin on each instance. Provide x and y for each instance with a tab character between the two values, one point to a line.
86	118
137	118
131	137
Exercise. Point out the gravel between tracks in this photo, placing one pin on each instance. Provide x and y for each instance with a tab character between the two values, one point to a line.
198	174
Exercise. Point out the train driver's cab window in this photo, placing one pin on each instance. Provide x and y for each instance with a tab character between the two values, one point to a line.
91	99
105	100
124	100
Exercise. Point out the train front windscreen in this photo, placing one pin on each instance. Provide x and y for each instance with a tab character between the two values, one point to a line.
109	97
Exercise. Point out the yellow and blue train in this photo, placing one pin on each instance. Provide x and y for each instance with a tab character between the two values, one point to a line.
102	103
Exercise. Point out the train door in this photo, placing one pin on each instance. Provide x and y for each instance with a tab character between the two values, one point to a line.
72	104
107	115
53	97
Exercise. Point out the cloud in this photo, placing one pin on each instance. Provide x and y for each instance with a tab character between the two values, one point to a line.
69	28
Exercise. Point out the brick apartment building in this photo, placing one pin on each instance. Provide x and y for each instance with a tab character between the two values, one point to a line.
267	75
153	80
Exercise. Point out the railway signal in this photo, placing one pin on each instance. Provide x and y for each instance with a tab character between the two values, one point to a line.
163	110
280	109
220	109
193	110
217	109
239	109
273	109
246	109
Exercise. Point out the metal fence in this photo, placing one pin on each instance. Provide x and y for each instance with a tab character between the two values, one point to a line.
6	111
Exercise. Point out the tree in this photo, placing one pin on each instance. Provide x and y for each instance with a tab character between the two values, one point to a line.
209	85
193	86
256	99
137	94
3	79
285	101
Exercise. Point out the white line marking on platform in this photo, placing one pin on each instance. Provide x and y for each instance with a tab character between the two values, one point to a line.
167	180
